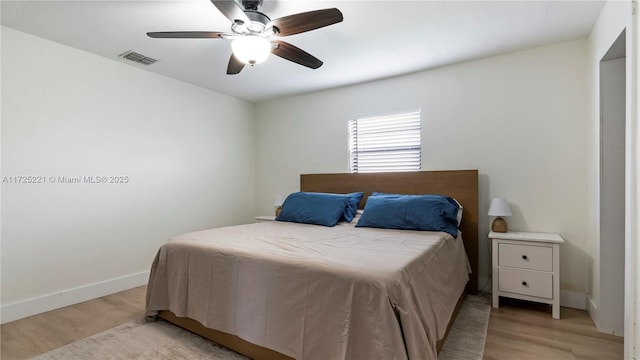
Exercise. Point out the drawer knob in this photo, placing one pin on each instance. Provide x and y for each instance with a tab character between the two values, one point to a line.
525	258
524	283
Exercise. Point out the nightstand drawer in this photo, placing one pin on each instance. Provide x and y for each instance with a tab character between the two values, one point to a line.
526	256
526	282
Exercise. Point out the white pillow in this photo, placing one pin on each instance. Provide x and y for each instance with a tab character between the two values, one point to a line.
459	215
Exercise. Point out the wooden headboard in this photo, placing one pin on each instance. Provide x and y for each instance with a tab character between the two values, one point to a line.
459	184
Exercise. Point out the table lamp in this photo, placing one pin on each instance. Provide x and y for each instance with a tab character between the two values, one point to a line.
499	207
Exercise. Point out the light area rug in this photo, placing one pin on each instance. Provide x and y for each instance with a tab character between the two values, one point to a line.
469	331
160	340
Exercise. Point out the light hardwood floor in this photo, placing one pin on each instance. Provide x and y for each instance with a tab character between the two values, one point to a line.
517	331
521	330
38	334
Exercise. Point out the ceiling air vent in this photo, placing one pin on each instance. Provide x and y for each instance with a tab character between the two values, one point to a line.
139	58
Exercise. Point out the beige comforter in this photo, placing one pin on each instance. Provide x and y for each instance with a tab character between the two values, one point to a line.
312	292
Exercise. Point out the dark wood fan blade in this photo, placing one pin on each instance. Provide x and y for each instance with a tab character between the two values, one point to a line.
235	65
231	10
298	23
295	54
185	34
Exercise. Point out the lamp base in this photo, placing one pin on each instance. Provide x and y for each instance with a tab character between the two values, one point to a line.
278	210
499	225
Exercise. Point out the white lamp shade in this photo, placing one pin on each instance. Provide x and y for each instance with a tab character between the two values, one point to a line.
279	200
499	207
251	49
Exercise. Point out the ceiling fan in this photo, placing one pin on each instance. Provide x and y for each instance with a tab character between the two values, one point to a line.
252	33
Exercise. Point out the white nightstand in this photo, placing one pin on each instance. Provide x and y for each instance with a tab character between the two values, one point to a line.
262	218
527	266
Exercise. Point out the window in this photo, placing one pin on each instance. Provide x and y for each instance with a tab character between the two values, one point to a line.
385	143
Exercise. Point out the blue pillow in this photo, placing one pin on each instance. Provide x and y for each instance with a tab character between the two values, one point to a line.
353	200
448	198
411	212
313	208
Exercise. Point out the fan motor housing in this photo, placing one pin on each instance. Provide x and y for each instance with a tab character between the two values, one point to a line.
257	24
257	17
251	4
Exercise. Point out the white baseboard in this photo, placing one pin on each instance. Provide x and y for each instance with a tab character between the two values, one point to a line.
602	325
592	309
44	303
573	299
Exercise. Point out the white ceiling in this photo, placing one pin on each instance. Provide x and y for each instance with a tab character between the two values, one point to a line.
377	39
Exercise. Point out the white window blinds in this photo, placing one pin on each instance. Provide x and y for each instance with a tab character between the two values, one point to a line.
385	143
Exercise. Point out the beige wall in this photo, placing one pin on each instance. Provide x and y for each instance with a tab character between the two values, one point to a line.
521	119
188	153
614	18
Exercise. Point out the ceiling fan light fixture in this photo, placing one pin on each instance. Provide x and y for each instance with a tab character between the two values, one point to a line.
252	33
251	49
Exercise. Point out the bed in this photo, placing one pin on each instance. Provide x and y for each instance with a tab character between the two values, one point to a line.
279	290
